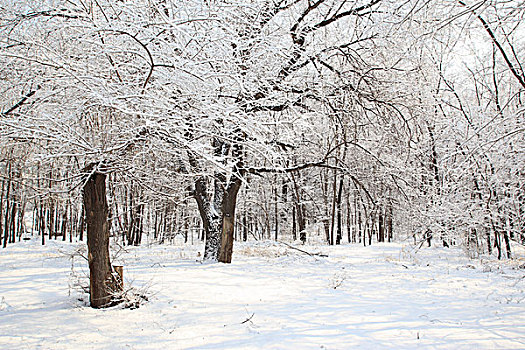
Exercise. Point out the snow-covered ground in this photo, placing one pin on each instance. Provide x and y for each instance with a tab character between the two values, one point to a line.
271	297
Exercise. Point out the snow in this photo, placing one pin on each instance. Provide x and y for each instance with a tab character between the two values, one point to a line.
384	296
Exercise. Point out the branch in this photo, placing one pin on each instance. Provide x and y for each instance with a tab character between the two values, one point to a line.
20	103
352	12
50	13
514	71
263	170
319	164
152	65
304	251
248	319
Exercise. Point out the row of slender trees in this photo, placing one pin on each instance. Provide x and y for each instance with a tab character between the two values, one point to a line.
331	120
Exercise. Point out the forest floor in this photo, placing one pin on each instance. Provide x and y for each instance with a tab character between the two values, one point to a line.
386	296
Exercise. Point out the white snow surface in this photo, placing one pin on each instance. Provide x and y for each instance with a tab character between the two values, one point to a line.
386	296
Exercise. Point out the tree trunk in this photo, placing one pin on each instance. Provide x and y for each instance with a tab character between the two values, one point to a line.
294	224
210	220
299	207
2	231
348	219
276	213
102	283
381	228
339	234
507	244
331	237
81	224
6	219
228	220
42	224
12	221
389	223
244	228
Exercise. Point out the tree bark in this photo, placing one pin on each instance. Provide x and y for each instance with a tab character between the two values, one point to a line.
102	283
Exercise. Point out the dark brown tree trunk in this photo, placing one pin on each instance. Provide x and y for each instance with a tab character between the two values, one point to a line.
6	219
348	219
42	224
155	223
2	230
82	222
125	210
371	230
131	210
102	283
51	216
360	225
244	228
389	223
326	227
339	234
301	223
331	238
228	220
489	243
140	223
276	213
72	222
63	226
507	244
57	220
12	222
381	228
294	224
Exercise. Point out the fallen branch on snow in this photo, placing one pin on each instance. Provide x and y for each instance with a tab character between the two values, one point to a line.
303	251
248	319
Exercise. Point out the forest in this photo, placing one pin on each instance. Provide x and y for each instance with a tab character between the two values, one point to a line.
216	123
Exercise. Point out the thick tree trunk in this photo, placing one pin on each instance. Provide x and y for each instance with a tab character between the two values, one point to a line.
226	248
102	284
228	220
212	231
210	220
